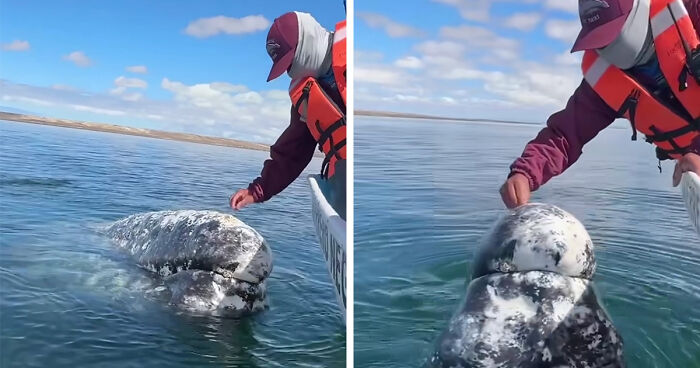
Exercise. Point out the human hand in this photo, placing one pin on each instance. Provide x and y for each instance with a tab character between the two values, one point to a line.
241	199
515	191
689	162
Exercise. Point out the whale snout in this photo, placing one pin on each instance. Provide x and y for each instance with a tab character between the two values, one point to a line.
537	237
209	292
531	301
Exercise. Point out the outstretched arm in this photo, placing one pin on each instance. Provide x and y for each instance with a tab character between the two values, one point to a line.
557	146
289	156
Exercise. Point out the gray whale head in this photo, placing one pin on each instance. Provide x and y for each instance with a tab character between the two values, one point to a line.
531	301
209	261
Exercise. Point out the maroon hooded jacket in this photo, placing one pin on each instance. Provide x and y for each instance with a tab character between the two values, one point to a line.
560	144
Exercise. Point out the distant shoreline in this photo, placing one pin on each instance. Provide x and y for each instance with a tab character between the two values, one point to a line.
403	115
208	140
149	133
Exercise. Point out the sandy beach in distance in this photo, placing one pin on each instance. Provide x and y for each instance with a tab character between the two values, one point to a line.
389	114
109	128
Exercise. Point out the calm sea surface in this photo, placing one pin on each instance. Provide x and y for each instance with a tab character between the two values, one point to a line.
68	298
426	192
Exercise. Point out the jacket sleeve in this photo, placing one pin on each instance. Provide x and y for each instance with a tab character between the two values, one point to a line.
289	156
560	144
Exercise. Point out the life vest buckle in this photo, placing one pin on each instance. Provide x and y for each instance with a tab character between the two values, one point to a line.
307	88
683	80
694	64
630	105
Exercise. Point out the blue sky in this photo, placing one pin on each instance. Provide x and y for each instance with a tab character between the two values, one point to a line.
495	59
194	66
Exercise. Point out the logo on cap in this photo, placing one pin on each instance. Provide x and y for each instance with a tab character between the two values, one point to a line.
587	8
272	47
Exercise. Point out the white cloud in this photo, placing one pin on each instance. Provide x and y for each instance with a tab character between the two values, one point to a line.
476	10
392	28
563	30
482	44
130	82
228	87
535	84
207	95
523	21
448	100
378	75
409	62
122	85
564	5
25	99
480	70
16	45
207	27
478	36
441	48
204	108
78	58
139	69
133	97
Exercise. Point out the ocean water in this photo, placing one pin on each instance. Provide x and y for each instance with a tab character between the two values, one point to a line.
426	192
69	298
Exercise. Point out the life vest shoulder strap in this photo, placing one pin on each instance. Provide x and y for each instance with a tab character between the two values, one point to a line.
299	91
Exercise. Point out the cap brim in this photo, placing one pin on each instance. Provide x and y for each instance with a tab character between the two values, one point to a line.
600	36
281	65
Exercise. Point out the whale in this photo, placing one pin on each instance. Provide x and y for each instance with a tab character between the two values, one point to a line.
531	301
208	262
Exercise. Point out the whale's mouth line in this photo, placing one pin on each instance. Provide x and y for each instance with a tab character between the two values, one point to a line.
525	271
169	269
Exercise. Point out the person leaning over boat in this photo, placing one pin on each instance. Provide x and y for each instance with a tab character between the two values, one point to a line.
315	60
642	63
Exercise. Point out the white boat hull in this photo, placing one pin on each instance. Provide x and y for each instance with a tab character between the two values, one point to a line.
330	228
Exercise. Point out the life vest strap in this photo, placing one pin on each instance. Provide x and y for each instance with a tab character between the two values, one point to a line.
676	151
630	105
663	154
671	141
334	152
668	136
326	134
303	99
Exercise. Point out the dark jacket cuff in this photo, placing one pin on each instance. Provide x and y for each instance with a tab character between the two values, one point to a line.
256	190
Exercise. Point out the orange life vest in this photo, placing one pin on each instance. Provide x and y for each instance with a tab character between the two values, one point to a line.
324	118
670	130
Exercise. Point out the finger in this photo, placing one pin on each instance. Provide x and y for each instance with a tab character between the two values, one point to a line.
502	192
677	172
238	200
244	201
522	192
510	197
504	197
